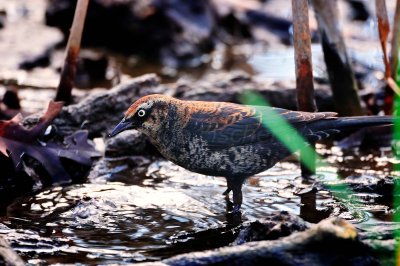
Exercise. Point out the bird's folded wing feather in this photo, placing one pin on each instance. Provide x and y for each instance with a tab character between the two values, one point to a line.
236	125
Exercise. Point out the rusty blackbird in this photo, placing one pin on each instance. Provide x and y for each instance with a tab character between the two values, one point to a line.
226	139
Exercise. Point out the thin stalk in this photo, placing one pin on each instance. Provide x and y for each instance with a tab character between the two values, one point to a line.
64	90
304	71
384	29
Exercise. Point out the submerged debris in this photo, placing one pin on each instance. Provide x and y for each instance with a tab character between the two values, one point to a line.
272	227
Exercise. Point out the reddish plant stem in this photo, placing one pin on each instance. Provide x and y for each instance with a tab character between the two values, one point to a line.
64	90
303	59
303	63
383	28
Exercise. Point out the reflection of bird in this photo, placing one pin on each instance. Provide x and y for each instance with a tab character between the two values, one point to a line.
226	139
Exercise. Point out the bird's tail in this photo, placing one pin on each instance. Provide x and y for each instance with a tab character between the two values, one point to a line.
329	127
356	122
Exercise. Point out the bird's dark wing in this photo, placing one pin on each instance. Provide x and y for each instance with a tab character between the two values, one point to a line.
229	125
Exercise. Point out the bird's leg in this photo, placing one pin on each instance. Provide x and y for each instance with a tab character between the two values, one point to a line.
226	192
229	186
237	194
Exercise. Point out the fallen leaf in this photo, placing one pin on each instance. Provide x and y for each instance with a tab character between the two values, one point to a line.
17	141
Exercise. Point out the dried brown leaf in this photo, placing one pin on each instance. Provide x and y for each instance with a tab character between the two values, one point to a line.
17	141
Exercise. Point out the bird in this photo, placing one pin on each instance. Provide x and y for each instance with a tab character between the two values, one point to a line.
227	139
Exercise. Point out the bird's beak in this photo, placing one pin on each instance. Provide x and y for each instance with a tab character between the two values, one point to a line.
123	125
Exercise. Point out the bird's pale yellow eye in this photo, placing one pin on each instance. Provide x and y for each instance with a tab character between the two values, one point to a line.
141	113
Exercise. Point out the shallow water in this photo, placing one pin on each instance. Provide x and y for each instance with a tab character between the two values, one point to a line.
172	211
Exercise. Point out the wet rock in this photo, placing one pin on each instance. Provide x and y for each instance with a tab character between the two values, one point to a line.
270	228
128	156
130	142
376	192
126	169
8	256
371	193
371	184
330	242
201	240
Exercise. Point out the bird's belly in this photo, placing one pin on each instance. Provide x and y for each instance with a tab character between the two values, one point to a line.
237	161
244	160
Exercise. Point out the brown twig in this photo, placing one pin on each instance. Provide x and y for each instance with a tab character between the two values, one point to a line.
303	63
64	90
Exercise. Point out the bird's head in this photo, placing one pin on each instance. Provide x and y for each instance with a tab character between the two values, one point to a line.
146	114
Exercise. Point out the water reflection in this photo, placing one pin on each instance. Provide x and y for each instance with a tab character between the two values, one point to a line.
308	204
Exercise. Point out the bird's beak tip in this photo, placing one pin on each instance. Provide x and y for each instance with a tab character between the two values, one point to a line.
113	134
119	128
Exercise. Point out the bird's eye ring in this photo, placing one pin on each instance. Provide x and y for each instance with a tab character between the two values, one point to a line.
141	113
